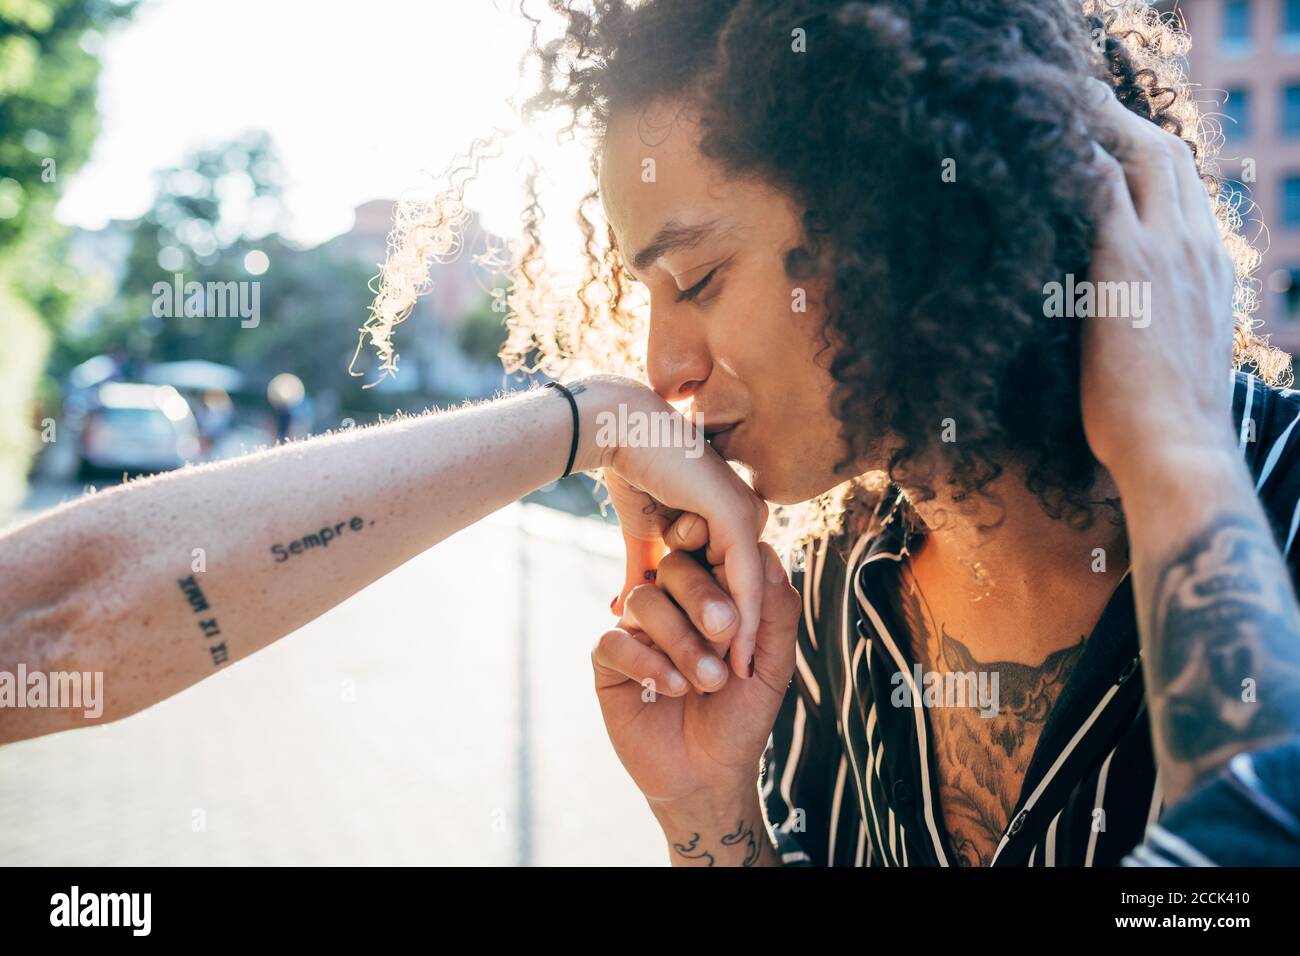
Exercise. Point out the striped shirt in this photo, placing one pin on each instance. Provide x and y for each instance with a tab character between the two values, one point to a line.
850	780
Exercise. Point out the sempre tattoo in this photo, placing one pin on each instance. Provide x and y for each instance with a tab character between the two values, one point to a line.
1223	646
317	539
742	836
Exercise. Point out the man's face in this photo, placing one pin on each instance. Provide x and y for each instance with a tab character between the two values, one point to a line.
726	330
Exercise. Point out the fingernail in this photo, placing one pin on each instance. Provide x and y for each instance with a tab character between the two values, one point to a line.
751	667
677	684
718	617
1097	91
709	670
613	602
684	530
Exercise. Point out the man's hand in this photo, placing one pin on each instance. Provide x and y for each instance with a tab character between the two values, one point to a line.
690	736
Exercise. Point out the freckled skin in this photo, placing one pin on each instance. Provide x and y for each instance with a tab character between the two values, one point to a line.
95	586
113	584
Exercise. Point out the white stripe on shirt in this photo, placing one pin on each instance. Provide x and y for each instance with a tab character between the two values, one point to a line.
1099	804
792	760
847	696
837	801
1060	761
1245	412
922	740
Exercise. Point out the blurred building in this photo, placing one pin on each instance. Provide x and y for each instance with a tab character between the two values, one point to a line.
432	360
1249	52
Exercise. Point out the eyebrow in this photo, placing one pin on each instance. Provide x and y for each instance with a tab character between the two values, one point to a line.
674	235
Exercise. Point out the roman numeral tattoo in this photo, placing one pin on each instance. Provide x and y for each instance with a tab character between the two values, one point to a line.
208	626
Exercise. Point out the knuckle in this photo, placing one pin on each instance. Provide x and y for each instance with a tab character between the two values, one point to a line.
1150	152
604	644
694	582
792	601
640	596
644	663
1110	167
674	562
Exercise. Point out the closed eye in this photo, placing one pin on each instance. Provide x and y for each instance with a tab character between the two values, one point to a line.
693	291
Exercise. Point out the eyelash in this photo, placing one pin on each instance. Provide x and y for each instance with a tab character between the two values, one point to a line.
696	289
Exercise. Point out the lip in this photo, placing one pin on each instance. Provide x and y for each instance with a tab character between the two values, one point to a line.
719	436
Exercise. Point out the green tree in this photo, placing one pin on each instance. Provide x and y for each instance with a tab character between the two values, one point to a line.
199	227
49	75
209	214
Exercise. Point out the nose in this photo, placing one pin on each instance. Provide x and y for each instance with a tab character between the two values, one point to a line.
677	356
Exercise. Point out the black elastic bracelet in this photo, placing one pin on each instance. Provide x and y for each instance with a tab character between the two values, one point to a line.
573	406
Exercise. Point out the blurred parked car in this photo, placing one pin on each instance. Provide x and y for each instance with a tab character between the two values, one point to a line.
136	428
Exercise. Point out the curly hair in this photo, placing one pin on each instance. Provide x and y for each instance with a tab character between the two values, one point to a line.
935	310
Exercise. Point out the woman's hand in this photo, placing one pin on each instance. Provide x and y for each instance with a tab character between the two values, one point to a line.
651	487
1160	377
1214	599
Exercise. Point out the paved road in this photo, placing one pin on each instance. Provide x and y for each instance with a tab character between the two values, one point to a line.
444	715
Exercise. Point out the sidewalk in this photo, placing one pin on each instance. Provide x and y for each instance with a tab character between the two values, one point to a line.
424	721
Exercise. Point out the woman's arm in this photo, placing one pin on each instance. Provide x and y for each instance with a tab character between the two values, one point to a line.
159	582
1217	614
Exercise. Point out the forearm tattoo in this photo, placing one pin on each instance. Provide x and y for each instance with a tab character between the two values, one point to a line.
319	539
742	836
1223	647
208	625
